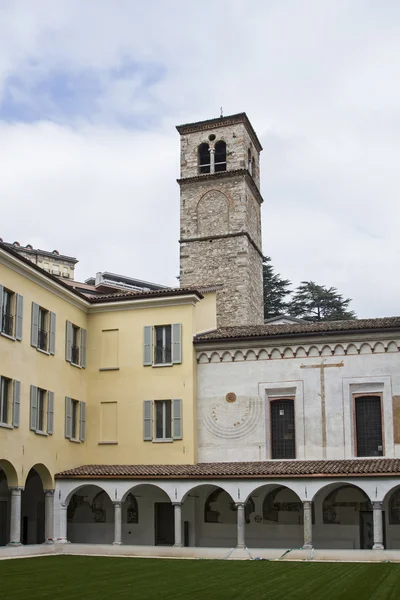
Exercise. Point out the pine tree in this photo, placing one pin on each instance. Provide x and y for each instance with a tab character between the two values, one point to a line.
313	302
276	290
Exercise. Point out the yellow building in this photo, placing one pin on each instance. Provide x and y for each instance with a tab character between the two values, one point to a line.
89	379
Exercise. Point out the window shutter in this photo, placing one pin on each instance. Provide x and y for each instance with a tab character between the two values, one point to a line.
176	343
148	346
83	348
69	334
177	419
52	332
33	413
35	325
82	421
68	417
148	420
50	413
1	307
16	403
18	317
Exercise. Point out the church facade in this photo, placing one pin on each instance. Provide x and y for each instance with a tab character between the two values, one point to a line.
176	417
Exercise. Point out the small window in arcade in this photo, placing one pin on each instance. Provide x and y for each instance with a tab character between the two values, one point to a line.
283	441
204	158
394	508
220	157
368	426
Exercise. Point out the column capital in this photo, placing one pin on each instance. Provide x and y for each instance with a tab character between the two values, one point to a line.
240	504
49	492
16	491
307	503
117	502
176	503
377	505
211	150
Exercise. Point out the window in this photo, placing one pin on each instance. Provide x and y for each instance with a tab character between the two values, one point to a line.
5	386
204	158
249	163
41	411
368	426
75	345
282	429
162	345
9	402
11	309
75	420
162	420
43	329
220	157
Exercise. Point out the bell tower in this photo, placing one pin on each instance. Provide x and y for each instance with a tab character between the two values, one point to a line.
220	226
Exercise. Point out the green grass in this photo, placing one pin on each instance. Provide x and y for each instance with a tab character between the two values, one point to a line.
86	578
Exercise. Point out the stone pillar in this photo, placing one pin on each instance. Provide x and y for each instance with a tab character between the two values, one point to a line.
241	541
307	517
178	524
63	524
15	525
117	523
49	516
212	160
378	526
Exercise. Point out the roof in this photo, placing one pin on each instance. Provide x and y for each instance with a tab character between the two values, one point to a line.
284	320
28	249
248	332
221	122
266	469
114	279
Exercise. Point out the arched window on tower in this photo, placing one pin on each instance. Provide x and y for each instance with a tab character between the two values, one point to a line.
204	158
220	156
249	162
253	166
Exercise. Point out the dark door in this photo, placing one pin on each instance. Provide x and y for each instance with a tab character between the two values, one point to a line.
366	529
282	429
369	426
164	524
3	523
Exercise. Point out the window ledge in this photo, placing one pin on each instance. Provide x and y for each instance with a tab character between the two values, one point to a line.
109	443
41	433
74	441
9	337
162	440
6	426
109	369
75	365
157	365
43	351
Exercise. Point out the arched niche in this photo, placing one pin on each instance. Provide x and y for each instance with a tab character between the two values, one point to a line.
213	214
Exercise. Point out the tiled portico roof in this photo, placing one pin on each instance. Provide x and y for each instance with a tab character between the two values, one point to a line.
241	470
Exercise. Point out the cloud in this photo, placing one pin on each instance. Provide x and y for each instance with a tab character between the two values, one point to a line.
90	94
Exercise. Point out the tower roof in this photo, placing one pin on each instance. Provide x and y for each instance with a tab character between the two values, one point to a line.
221	122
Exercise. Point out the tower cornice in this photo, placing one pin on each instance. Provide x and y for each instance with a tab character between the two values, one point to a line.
226	175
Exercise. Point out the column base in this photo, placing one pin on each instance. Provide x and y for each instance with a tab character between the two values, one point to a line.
117	544
61	541
14	544
378	547
49	541
178	546
307	547
241	547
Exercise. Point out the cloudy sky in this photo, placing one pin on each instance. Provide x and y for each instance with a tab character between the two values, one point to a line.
91	91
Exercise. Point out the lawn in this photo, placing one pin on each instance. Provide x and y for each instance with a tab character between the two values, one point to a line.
87	578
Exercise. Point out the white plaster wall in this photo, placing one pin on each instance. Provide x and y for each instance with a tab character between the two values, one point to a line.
229	432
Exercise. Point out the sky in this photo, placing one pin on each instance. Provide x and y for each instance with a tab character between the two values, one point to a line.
91	91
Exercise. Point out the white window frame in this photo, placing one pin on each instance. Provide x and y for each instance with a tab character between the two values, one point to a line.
12	312
164	438
41	414
6	423
75	416
164	347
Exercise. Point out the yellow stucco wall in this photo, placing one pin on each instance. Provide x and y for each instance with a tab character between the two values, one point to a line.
114	333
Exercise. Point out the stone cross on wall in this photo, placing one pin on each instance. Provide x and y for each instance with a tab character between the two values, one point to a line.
322	366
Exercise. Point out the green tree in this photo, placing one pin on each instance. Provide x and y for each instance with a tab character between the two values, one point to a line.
276	291
313	302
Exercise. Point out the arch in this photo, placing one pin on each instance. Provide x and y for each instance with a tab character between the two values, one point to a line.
263	355
135	488
203	158
326	351
351	349
392	347
269	487
288	353
393	490
282	500
239	356
323	491
44	474
220	156
215	358
76	489
275	354
226	357
251	355
313	351
203	358
205	485
365	348
90	515
378	347
301	353
339	350
333	503
213	213
10	472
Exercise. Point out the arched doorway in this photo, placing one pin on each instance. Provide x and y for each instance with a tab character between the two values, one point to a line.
5	508
391	507
147	517
344	518
33	516
278	522
90	516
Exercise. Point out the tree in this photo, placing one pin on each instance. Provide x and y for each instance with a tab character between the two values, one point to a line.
275	290
313	302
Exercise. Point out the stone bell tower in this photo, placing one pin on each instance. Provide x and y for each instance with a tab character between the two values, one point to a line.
220	234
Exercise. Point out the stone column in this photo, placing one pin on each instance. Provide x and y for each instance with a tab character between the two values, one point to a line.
49	516
117	523
241	541
307	517
212	160
63	524
15	525
378	526
178	524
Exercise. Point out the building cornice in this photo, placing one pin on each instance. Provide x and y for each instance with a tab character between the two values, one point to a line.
225	236
226	175
153	302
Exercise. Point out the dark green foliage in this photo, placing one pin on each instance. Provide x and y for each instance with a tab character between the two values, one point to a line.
313	302
276	291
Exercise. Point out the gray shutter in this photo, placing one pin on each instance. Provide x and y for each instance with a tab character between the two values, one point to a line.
18	317
176	343
148	420
35	325
177	419
50	413
52	332
148	345
68	417
82	421
16	403
83	348
69	335
1	307
33	413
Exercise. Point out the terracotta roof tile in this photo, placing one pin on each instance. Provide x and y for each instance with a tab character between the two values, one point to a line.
267	469
270	330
